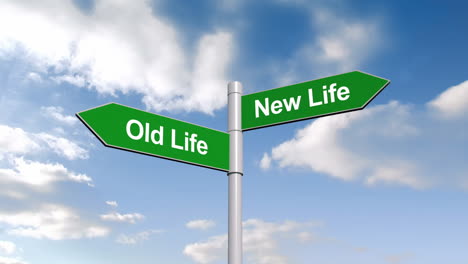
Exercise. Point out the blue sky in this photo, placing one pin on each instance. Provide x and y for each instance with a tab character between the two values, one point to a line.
387	184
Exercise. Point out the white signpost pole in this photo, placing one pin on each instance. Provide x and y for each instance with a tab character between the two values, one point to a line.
235	173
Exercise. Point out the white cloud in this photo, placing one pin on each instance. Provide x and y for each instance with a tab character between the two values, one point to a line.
265	162
56	112
201	224
112	203
137	238
17	141
120	46
261	242
208	251
40	175
322	147
452	102
34	76
393	144
317	147
51	221
403	173
344	41
213	54
340	43
63	147
7	247
124	218
76	80
5	260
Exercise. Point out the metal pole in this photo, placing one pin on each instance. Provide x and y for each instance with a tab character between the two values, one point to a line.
235	173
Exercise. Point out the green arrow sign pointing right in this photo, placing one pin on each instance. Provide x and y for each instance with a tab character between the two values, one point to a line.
331	95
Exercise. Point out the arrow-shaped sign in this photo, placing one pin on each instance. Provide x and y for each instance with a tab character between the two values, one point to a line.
331	95
126	128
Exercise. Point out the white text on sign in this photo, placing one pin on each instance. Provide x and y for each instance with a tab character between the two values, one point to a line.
156	136
330	95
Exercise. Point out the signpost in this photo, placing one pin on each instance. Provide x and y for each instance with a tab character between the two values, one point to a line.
126	128
134	130
236	171
331	95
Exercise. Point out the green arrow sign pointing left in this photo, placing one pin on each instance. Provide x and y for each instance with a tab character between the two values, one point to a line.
134	130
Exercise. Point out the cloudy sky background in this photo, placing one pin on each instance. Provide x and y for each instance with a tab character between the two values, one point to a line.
384	185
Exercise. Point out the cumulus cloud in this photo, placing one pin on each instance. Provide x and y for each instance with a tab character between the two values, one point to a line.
123	218
137	238
261	242
40	175
7	247
317	146
393	144
320	147
50	221
16	141
452	103
118	47
56	112
201	224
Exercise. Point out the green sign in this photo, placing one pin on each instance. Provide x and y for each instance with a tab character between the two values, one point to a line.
331	95
126	128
